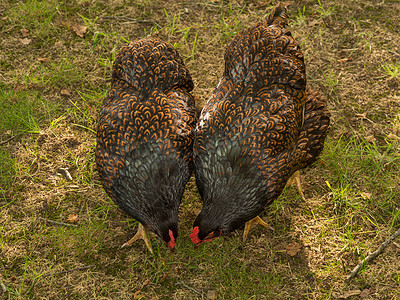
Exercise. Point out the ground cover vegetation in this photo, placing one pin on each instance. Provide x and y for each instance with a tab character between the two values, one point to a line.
60	235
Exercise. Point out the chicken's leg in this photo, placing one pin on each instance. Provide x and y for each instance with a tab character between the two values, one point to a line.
249	224
296	179
140	234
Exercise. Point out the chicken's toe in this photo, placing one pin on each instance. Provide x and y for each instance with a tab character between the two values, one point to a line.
249	224
140	234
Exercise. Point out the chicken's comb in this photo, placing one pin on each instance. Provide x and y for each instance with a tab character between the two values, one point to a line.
171	243
194	236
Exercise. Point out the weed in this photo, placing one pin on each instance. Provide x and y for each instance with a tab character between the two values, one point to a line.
331	81
301	18
340	198
228	27
83	111
324	12
172	23
62	73
392	70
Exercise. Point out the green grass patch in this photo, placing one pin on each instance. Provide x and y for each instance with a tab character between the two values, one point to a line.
24	110
36	16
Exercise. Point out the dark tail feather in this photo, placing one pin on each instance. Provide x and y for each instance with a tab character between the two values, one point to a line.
314	131
278	15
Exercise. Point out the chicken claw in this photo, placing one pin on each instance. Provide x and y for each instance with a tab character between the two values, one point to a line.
249	224
140	234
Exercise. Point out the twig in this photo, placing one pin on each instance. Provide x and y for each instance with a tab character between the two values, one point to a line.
57	222
64	172
4	288
390	51
68	271
372	255
131	19
189	288
9	139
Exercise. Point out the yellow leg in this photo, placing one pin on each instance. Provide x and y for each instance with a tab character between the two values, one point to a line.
249	224
296	179
140	234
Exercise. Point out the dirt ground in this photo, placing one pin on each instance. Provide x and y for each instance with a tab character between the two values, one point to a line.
60	237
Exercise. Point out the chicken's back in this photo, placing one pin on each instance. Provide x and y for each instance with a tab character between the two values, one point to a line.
145	131
248	134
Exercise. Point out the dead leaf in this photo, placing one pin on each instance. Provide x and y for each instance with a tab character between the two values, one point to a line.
211	295
65	93
73	218
20	87
370	139
346	294
43	59
293	249
365	195
137	295
342	60
365	293
80	30
24	32
362	116
146	282
392	136
25	41
93	112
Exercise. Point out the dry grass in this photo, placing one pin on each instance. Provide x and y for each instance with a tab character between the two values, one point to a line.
52	87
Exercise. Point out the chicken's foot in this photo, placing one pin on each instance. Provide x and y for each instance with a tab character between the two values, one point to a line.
249	224
296	179
140	234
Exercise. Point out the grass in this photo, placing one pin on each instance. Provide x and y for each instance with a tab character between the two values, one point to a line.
392	70
49	109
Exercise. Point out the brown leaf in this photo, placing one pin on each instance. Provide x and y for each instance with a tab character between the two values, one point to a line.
137	295
20	87
65	93
93	112
146	282
365	293
25	41
392	136
362	116
73	218
24	32
346	294
211	295
370	139
365	195
342	60
43	59
80	30
293	248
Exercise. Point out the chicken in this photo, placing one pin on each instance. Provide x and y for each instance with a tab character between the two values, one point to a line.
259	126
145	136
